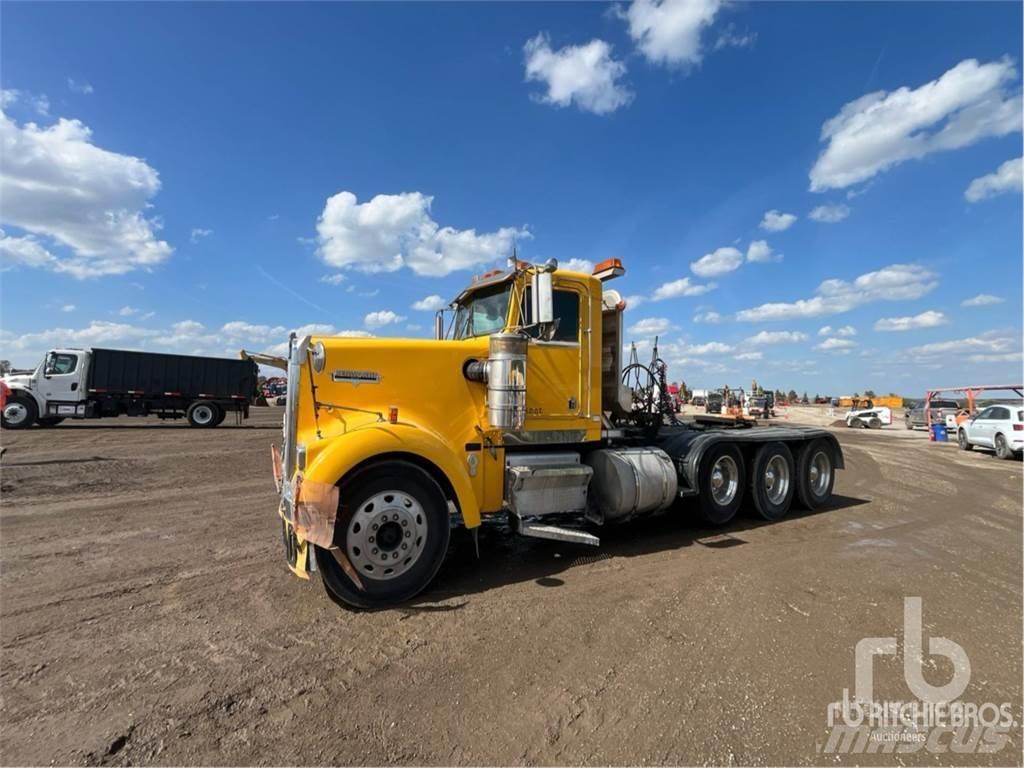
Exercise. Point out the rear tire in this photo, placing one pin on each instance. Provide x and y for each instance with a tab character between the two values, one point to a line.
772	480
398	499
202	414
49	421
221	415
962	441
874	423
1003	450
721	479
19	413
815	474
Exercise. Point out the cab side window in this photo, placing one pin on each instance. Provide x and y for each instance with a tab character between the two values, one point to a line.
566	307
58	364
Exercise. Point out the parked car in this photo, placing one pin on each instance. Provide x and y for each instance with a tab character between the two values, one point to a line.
1000	427
938	412
713	403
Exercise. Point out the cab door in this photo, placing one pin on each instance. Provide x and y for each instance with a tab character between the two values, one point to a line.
62	376
556	385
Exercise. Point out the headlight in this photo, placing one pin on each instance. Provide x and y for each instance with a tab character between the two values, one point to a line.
319	357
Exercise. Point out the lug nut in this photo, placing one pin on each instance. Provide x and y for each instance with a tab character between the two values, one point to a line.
371	539
375	550
407	534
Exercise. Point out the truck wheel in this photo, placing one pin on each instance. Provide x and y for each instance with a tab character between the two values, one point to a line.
772	480
815	475
1003	450
221	415
721	480
962	441
19	413
393	526
202	414
49	421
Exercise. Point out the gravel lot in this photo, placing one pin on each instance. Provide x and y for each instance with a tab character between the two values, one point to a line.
146	616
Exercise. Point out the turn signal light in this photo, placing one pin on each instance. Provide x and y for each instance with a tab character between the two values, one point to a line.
608	269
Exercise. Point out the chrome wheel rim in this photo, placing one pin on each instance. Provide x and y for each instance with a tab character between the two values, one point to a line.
821	472
386	535
15	413
724	480
203	414
776	479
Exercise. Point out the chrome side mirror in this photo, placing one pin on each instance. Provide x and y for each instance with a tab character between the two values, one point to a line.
439	325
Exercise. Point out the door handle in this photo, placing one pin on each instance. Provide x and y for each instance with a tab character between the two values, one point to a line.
74	386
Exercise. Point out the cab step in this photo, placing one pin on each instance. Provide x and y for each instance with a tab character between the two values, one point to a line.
555	533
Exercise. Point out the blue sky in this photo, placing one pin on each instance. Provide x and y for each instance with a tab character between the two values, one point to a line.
239	170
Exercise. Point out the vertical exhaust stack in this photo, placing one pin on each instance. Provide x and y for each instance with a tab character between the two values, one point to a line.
506	381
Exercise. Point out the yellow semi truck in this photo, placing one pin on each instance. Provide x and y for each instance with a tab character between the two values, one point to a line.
517	408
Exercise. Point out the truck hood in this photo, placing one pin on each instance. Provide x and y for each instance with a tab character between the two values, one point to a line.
17	381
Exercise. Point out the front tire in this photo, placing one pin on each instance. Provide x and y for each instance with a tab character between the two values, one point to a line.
815	475
202	414
962	441
855	423
721	479
393	527
49	421
772	480
19	413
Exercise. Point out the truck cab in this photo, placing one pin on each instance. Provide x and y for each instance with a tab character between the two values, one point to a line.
53	391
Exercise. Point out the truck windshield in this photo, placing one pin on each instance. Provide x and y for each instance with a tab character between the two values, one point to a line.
483	312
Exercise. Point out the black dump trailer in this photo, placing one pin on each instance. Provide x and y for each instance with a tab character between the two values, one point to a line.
203	389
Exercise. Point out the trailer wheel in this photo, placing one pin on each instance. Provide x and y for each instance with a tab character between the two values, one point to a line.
721	480
49	421
19	413
815	474
772	480
202	414
393	527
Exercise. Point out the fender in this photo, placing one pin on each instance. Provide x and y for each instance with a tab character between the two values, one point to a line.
342	453
19	391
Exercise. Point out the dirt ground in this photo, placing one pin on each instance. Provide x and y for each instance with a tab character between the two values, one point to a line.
147	617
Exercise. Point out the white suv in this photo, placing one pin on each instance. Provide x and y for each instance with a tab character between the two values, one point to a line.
998	426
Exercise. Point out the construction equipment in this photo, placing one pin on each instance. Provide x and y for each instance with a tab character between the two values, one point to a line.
529	417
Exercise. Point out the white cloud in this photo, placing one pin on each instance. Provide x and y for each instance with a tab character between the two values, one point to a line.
749	356
929	319
759	250
709	348
68	308
730	38
8	96
1007	178
651	326
777	221
586	75
79	86
127	311
89	203
669	31
707	317
336	278
681	287
775	337
981	300
717	262
198	234
577	265
825	330
382	318
897	282
392	231
431	303
836	345
634	301
871	134
829	214
991	346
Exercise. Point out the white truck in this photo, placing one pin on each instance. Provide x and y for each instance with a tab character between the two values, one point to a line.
94	383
